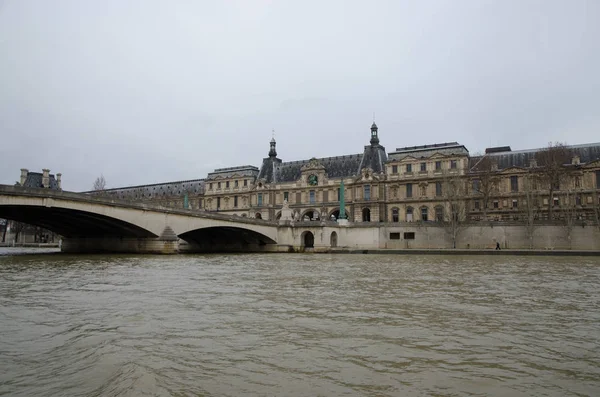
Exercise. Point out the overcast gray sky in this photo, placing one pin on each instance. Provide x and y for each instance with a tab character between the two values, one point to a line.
154	91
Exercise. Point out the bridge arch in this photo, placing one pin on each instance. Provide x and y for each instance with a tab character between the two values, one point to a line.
226	238
73	222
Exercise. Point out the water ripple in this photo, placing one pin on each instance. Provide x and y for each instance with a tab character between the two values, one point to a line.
296	325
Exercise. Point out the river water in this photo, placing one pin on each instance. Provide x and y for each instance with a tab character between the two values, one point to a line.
298	325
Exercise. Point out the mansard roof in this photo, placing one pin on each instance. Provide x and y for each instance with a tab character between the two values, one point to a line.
335	167
241	171
176	188
34	179
522	158
426	151
373	157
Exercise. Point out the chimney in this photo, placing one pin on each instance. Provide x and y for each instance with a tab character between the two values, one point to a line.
46	178
58	176
24	172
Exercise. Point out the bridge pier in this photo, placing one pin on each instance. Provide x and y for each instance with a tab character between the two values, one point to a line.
134	245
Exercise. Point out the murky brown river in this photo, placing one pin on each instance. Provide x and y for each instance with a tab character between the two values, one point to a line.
298	325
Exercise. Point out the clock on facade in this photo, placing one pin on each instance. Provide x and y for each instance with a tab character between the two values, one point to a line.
313	180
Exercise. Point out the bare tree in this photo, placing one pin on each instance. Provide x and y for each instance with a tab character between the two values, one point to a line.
568	210
596	210
551	161
486	181
455	211
17	228
100	183
530	208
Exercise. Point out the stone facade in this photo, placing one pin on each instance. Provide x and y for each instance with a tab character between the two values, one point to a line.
439	183
438	186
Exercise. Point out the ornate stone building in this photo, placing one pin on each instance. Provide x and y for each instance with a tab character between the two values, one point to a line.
439	183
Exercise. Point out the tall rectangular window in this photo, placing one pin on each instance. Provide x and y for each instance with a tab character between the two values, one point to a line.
438	188
409	190
367	192
477	205
597	179
227	184
210	186
394	169
423	166
438	165
476	185
312	196
235	184
286	196
218	185
408	167
245	182
259	199
514	183
235	201
218	202
453	164
325	196
515	204
298	198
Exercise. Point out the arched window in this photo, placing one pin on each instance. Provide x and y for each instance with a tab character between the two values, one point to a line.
424	217
333	239
409	214
258	215
366	215
439	213
395	215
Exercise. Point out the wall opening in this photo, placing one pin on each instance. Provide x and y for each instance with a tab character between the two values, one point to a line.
333	240
308	240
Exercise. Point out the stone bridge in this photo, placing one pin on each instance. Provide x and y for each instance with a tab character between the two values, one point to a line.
95	223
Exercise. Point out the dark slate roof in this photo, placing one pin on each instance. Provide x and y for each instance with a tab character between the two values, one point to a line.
521	158
428	150
374	157
335	167
243	170
34	179
267	169
498	149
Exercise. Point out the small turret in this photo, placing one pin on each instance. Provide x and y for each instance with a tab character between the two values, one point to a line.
272	150
374	137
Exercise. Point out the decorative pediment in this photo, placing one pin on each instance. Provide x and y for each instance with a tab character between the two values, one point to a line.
438	155
366	175
592	164
313	165
513	169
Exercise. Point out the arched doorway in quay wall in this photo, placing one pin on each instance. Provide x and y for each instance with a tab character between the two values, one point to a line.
308	240
333	240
